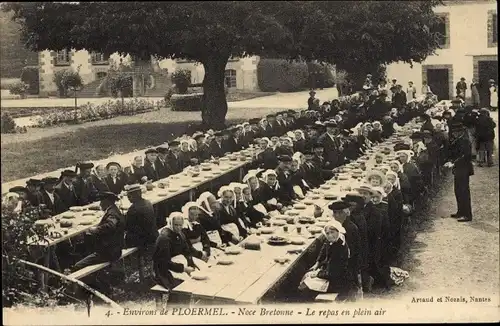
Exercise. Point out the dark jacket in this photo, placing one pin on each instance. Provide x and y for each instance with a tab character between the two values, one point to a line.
140	224
163	168
203	153
353	240
174	164
151	171
85	191
216	150
197	234
109	234
135	174
99	184
232	217
118	186
461	155
485	130
68	197
333	262
359	219
168	245
55	207
332	153
267	159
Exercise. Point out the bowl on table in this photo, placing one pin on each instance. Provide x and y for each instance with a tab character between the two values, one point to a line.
325	187
68	215
266	230
308	202
76	209
277	241
292	213
314	229
233	250
299	206
279	222
330	196
315	196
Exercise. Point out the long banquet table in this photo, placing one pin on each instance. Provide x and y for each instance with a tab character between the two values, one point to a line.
254	273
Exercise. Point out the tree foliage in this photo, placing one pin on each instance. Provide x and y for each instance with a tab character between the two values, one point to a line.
347	33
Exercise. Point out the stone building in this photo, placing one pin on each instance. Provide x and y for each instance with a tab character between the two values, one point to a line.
469	47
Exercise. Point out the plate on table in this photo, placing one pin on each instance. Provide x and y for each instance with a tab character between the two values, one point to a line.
279	222
173	189
343	177
266	230
280	217
330	197
224	168
199	276
66	224
196	180
297	241
292	213
314	229
95	207
185	185
308	202
282	260
68	215
86	222
332	183
306	220
208	177
88	213
232	250
224	261
299	206
315	196
216	173
323	219
76	209
162	193
321	224
277	241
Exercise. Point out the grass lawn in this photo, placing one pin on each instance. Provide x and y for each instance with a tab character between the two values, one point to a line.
22	159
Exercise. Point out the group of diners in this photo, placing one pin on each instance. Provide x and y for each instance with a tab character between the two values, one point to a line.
313	146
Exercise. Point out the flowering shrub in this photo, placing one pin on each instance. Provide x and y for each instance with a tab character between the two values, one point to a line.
19	88
92	112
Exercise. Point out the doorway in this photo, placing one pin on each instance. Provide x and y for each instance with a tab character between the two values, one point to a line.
486	70
439	82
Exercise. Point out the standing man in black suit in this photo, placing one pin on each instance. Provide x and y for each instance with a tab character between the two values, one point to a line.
331	145
461	164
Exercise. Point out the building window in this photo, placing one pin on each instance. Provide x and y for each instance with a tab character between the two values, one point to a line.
99	58
492	29
442	30
230	78
101	74
62	58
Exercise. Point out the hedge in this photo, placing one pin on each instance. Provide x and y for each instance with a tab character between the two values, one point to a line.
186	102
280	75
30	76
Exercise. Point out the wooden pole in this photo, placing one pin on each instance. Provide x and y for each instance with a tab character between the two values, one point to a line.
80	283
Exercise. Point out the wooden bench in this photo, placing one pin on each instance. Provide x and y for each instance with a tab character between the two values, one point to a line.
86	271
161	296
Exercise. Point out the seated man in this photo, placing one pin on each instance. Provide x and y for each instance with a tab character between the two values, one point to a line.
107	236
141	229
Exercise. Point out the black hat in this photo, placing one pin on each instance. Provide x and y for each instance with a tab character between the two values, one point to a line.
151	151
219	134
456	125
292	111
50	181
18	189
456	101
68	173
84	165
198	137
174	143
401	147
285	158
353	197
426	134
317	145
33	182
254	121
338	205
308	152
162	150
331	124
226	132
270	116
308	126
107	195
416	135
132	188
110	164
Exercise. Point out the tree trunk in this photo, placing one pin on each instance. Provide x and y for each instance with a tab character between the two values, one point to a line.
214	105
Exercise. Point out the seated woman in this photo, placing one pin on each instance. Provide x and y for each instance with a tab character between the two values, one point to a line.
375	135
411	170
403	182
286	147
172	242
194	231
247	209
261	193
136	173
271	179
208	205
330	272
267	159
375	178
395	219
300	141
229	218
298	174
